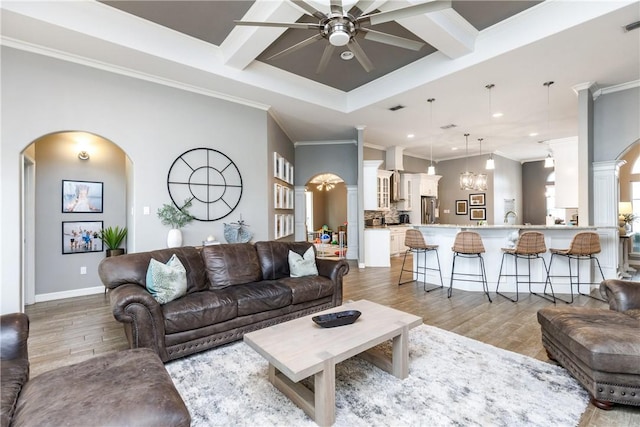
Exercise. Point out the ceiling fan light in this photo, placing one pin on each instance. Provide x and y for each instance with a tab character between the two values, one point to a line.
339	36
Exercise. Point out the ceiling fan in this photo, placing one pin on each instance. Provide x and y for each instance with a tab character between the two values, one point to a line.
341	28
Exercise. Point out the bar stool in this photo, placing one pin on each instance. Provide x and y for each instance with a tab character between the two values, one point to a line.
529	246
468	244
414	240
584	246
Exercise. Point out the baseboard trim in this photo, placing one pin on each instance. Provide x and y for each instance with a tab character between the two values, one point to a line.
69	294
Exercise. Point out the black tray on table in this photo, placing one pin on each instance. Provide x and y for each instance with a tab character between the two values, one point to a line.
339	318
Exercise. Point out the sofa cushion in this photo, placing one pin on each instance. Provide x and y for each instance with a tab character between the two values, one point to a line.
258	297
303	265
231	264
132	268
14	373
308	288
198	310
274	257
604	340
166	282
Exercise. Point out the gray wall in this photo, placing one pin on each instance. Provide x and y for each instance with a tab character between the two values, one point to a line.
534	203
280	143
152	123
616	125
56	159
338	159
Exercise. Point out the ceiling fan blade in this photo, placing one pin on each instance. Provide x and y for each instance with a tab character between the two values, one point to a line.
309	9
362	57
324	60
359	8
295	25
336	6
392	40
297	46
406	12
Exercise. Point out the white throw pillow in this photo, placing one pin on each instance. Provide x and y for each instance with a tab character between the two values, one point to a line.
166	282
305	265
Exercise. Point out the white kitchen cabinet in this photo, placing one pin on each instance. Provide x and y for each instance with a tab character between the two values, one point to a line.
397	236
370	184
376	247
383	189
429	184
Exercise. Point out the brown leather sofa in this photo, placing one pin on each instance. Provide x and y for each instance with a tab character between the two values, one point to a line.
231	290
97	392
599	347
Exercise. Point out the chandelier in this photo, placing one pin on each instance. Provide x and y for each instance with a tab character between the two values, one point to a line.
326	186
467	179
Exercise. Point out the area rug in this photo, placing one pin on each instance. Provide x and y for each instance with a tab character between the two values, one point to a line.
453	381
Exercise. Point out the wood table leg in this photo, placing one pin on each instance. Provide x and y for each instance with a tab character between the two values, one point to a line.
400	356
325	394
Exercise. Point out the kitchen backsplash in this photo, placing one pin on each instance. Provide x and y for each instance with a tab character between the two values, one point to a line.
390	216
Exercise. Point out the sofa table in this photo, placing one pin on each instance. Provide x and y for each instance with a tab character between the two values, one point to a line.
299	348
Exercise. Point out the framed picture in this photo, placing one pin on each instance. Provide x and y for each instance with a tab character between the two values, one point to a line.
82	196
476	199
461	207
277	172
277	196
81	237
477	214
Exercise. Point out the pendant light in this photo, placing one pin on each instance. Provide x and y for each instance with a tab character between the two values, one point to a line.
491	165
548	161
481	178
467	179
431	170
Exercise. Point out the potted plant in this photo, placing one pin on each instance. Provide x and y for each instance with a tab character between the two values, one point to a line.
176	218
112	238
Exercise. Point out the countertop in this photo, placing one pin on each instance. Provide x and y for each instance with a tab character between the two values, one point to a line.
516	226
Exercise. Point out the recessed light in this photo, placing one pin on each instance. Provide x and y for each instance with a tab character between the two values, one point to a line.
410	135
533	134
346	55
454	148
497	115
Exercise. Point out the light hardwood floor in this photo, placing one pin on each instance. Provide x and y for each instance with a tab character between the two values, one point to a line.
75	329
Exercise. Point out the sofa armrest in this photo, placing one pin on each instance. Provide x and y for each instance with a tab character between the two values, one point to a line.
14	332
142	316
622	295
334	270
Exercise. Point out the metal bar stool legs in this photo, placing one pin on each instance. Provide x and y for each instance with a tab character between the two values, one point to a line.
575	276
414	240
482	275
528	257
417	269
468	244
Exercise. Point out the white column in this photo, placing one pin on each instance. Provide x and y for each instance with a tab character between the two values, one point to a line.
352	222
300	214
606	195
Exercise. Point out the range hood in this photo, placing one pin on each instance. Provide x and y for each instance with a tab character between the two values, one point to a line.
394	159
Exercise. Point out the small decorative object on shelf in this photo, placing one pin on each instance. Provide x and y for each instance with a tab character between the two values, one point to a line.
236	232
340	318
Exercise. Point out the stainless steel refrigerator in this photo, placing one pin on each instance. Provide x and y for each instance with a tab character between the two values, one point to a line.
430	210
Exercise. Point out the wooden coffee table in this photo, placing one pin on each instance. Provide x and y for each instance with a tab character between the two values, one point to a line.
299	348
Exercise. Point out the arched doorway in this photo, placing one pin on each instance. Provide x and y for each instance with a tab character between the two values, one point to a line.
326	208
52	268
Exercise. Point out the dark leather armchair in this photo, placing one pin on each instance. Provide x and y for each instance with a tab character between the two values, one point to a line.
599	347
62	396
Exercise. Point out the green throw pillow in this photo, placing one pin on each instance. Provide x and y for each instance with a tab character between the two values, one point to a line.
305	265
166	282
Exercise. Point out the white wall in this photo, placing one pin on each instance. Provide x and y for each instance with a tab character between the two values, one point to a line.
153	124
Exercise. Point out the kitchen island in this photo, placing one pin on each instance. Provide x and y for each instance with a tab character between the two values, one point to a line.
496	237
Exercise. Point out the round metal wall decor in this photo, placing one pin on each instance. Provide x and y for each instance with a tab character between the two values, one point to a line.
207	177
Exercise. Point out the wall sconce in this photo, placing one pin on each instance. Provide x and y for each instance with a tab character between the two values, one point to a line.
83	155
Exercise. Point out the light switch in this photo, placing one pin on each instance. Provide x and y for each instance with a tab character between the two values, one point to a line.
145	210
83	270
447	211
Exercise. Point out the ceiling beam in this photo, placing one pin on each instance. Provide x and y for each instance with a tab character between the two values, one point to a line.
245	44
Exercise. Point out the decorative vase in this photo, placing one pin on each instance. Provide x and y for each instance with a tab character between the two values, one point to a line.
174	238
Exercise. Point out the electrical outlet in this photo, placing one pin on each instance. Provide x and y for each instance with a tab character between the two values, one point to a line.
83	270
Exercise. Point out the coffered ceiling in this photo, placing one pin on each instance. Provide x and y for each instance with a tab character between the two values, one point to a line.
516	45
